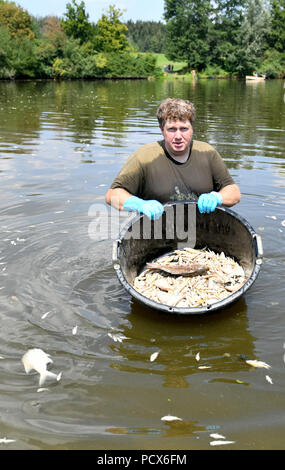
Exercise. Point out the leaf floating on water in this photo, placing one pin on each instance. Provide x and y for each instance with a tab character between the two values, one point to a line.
217	436
197	357
269	379
254	363
170	418
220	443
154	356
261	228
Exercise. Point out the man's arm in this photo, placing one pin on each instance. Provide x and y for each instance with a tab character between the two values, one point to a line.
230	194
117	197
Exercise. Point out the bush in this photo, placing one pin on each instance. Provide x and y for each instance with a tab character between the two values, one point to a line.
77	64
6	49
214	71
273	64
130	65
17	56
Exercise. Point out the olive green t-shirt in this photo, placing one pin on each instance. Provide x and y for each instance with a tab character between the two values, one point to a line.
151	173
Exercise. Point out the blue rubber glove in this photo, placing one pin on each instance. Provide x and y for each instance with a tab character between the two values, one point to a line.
152	209
209	201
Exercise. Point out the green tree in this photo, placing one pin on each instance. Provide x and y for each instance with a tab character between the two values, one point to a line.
276	36
76	24
146	36
226	18
252	38
6	49
16	20
51	44
187	31
111	32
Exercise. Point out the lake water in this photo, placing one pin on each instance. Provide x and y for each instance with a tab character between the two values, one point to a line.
61	145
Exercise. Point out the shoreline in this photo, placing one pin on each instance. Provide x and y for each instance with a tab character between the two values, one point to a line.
166	77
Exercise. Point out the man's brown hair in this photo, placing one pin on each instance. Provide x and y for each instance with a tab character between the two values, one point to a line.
175	109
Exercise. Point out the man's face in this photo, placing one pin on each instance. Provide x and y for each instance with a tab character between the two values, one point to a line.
177	136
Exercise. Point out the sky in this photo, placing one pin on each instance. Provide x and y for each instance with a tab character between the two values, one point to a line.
146	10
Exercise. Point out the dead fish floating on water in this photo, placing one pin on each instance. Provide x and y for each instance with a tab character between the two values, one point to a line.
4	440
179	270
154	356
36	359
221	443
255	363
170	418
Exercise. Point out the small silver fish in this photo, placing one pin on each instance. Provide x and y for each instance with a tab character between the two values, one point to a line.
221	443
179	269
170	418
117	337
154	356
37	359
255	363
4	440
217	436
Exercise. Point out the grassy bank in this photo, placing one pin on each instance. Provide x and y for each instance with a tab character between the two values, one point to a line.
180	69
162	62
273	66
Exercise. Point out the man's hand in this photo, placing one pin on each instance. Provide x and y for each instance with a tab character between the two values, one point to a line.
152	209
209	201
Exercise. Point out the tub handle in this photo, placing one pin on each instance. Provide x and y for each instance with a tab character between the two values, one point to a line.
259	248
115	252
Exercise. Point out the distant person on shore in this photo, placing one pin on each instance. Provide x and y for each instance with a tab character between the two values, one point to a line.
175	168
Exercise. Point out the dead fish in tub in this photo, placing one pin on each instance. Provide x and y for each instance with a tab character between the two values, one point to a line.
179	269
36	359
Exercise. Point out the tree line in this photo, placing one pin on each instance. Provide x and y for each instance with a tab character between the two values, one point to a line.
233	37
68	47
236	36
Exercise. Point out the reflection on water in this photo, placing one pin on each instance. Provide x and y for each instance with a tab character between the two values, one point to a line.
61	144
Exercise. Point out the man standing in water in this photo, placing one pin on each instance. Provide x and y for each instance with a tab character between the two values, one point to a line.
176	168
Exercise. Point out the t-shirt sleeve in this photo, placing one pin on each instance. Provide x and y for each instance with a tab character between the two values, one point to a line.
220	172
130	177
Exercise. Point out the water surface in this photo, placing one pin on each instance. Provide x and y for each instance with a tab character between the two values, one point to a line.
61	145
